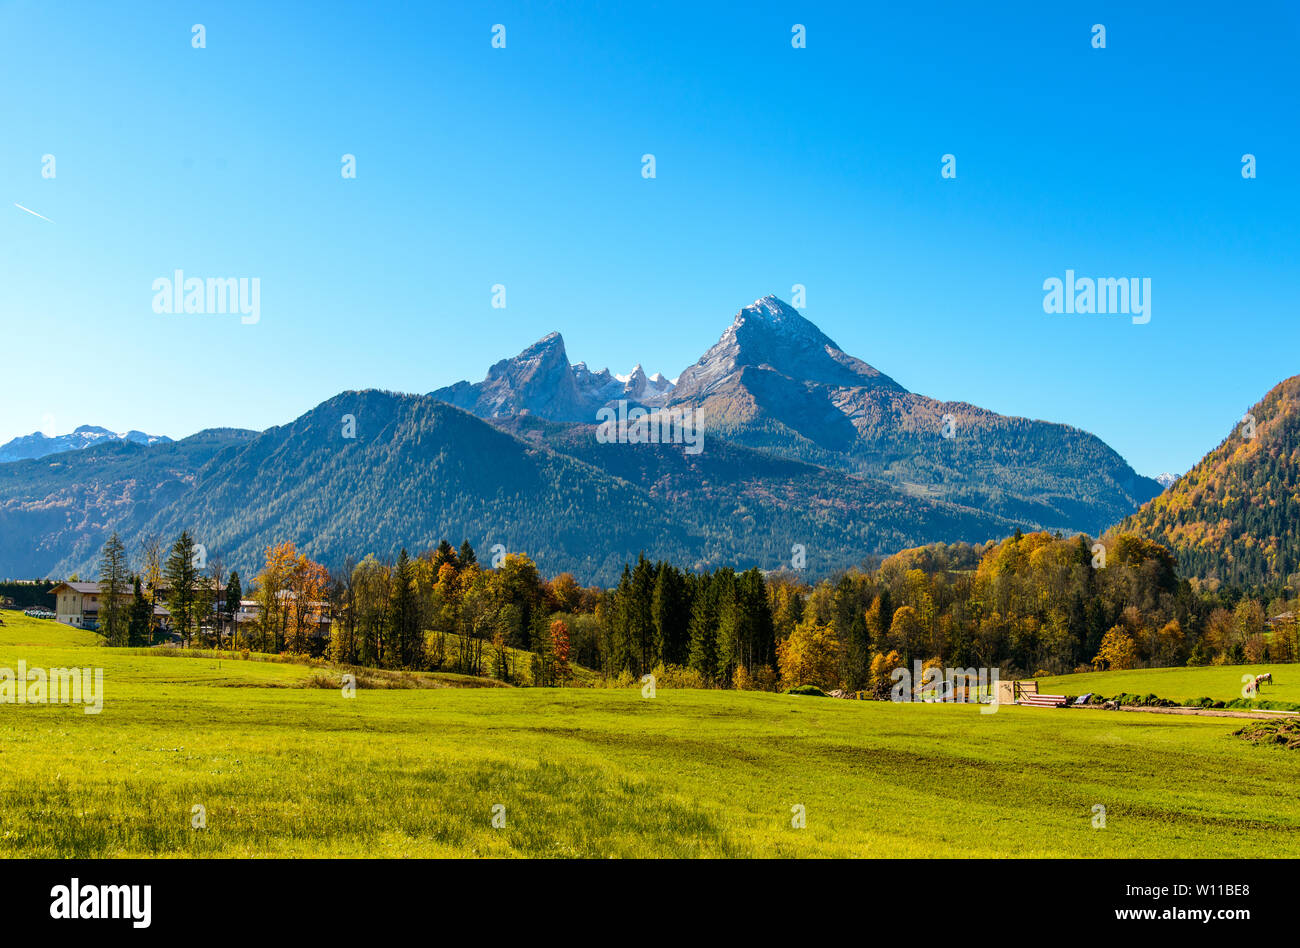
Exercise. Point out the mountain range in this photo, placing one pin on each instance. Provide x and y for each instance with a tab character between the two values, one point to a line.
805	445
38	445
776	383
540	381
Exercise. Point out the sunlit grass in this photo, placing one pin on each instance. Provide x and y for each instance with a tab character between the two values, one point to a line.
283	769
1220	682
19	629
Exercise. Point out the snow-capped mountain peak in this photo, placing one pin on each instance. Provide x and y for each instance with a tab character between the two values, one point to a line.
770	334
39	445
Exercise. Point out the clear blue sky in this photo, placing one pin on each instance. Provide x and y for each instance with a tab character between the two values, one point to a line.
522	166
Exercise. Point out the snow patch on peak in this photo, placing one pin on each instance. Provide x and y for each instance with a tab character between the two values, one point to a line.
39	445
649	390
770	334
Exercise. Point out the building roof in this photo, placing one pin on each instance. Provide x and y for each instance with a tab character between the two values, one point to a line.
93	588
82	588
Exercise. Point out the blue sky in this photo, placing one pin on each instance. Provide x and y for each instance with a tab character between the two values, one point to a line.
522	166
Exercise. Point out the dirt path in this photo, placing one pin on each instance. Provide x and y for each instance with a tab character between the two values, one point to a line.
1216	712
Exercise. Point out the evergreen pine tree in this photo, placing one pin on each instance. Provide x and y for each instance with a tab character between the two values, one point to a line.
114	617
467	557
234	593
703	656
179	577
141	621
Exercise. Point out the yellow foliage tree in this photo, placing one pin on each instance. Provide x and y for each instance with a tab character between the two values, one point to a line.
1117	651
882	668
810	656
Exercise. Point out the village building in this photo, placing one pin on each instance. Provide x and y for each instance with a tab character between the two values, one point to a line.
77	604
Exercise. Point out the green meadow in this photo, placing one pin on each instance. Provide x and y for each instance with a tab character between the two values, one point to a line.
1220	682
283	765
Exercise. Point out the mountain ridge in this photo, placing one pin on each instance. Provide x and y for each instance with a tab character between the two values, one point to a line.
39	445
1235	516
420	470
540	380
774	381
805	445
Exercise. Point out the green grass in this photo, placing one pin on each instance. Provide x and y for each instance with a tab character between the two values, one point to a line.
1220	682
19	629
284	769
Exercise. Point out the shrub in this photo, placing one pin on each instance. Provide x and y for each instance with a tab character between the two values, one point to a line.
809	690
764	678
680	676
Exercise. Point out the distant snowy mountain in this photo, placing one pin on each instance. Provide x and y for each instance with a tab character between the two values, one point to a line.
38	445
1166	479
647	390
540	381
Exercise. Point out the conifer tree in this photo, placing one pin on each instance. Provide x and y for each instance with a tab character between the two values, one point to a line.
234	594
141	620
114	616
467	557
179	577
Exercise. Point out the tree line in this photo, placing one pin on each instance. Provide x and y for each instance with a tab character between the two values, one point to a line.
199	597
1030	604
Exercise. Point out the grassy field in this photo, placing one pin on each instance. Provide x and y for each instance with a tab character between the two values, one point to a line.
18	629
1221	682
286	769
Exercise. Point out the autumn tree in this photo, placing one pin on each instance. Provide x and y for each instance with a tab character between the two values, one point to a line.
371	599
906	633
306	587
565	593
559	643
810	656
151	574
1118	651
273	599
883	665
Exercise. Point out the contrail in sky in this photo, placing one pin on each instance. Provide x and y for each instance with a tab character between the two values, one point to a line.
30	211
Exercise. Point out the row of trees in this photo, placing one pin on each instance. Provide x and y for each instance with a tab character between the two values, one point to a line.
1029	604
199	600
441	610
1032	603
